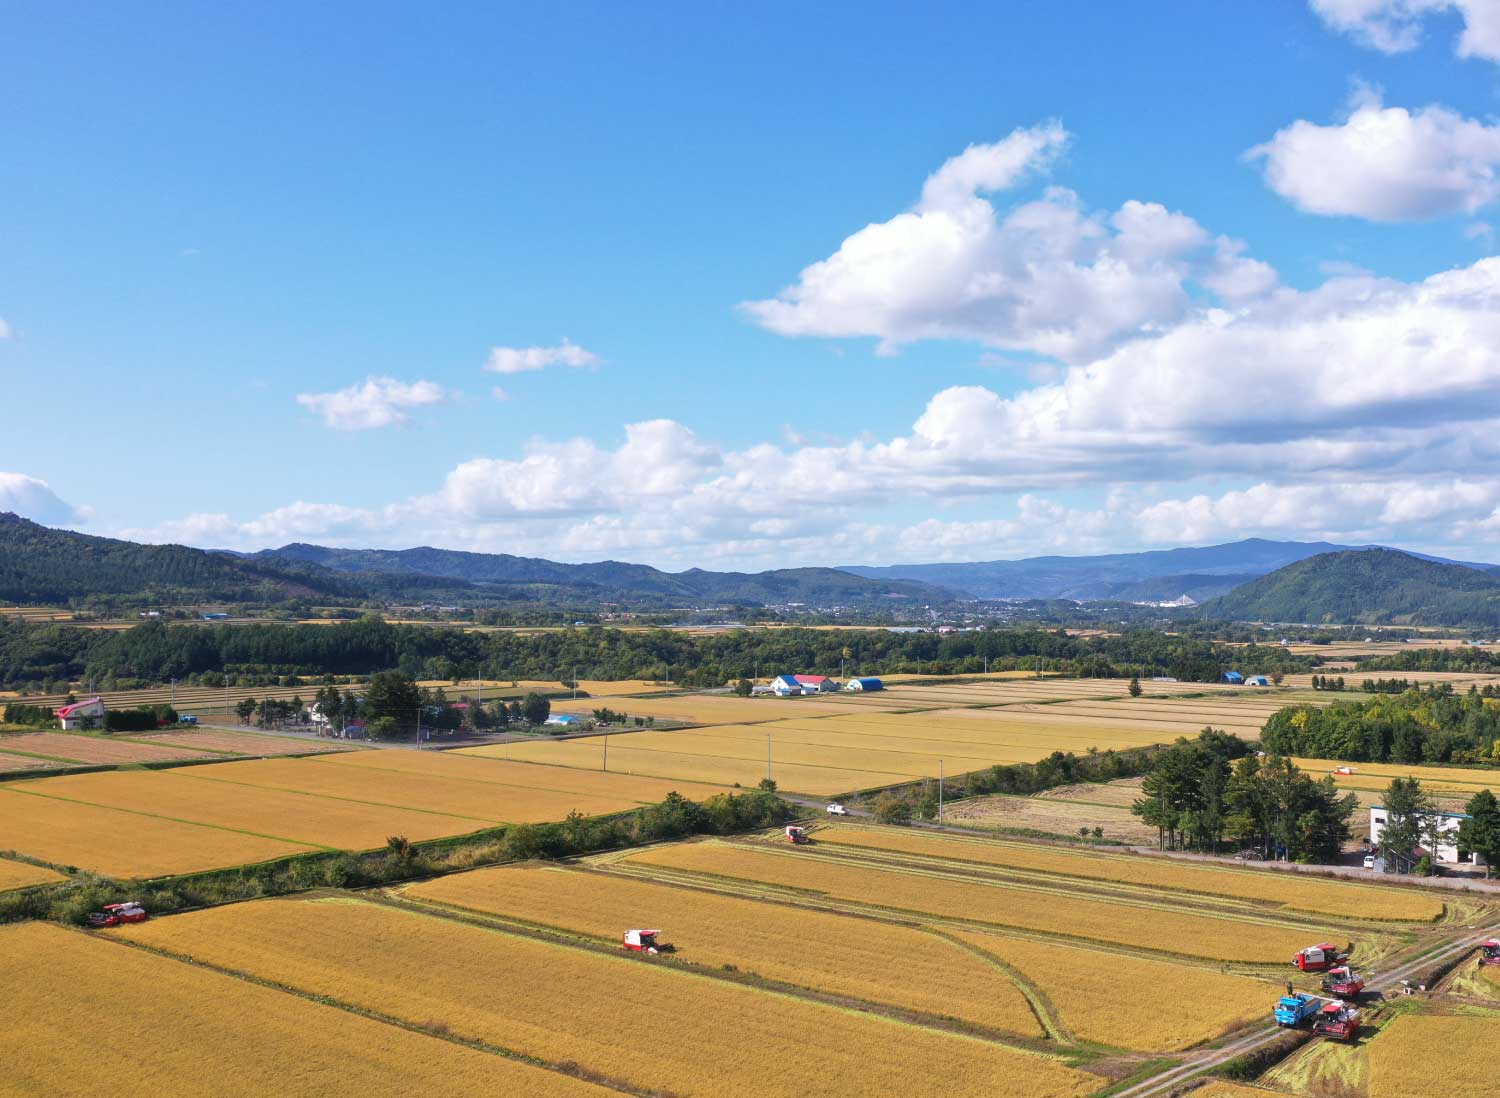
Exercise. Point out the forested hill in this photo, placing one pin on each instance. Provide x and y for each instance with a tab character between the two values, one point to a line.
505	576
42	566
1365	586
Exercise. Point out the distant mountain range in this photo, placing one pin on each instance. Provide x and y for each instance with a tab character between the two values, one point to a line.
1366	586
44	566
531	578
1155	576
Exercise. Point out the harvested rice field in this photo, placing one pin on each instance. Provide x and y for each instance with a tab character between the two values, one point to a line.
1160	926
1375	777
656	1028
87	1017
243	743
1002	812
896	966
1334	898
94	749
23	875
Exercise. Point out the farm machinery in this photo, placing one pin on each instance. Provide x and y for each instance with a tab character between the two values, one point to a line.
797	835
1489	952
1343	982
1320	958
644	941
116	914
1294	1009
1338	1021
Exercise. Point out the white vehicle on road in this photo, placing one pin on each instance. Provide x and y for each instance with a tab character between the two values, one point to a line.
837	810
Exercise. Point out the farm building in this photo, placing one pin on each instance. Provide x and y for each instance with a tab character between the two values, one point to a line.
567	720
791	686
1234	677
1447	851
1257	680
85	714
865	684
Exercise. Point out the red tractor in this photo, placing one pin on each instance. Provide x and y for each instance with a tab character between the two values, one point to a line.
115	914
795	834
1489	952
642	941
1343	982
1339	1021
1319	958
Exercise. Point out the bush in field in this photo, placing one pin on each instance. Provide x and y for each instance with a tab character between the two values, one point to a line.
891	809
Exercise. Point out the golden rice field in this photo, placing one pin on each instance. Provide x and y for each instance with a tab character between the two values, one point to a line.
656	1027
1217	1088
1186	1005
88	1017
1375	777
1419	1056
120	843
1155	926
22	875
860	958
1319	897
713	708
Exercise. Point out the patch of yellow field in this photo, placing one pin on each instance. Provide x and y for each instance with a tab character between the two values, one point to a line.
1377	776
23	875
1263	886
878	962
1155	927
705	708
87	1017
620	1016
1217	1088
1188	1004
482	803
123	844
290	817
1419	1056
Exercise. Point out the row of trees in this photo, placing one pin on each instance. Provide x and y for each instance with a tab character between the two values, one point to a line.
1203	793
1327	682
1431	725
153	652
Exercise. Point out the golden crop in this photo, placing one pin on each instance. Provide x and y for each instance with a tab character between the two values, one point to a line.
123	844
293	817
860	958
621	1016
87	1017
1172	1007
482	804
24	875
1322	897
1150	926
1219	1089
1418	1056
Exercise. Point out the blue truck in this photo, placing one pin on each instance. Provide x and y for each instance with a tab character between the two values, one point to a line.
1295	1009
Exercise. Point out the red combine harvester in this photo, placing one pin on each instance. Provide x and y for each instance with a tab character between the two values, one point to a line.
115	914
1319	958
642	941
1339	1021
795	834
1489	952
1343	982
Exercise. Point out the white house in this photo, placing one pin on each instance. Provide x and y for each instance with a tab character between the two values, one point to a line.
1447	848
84	714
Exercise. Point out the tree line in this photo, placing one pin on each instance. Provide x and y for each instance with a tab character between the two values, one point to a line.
1432	724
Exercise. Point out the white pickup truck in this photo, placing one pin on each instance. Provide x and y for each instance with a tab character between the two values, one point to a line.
837	810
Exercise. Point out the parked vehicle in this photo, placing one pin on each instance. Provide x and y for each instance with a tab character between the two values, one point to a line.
837	810
1293	1010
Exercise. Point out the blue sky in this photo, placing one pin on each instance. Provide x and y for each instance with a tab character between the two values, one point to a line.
206	214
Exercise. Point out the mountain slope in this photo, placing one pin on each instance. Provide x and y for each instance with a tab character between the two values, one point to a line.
39	565
503	575
1368	586
1108	576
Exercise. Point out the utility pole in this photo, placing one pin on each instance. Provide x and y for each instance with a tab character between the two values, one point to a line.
575	684
768	756
174	693
419	727
606	752
940	791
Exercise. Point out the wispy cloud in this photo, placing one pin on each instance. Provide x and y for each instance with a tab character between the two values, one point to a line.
374	402
520	360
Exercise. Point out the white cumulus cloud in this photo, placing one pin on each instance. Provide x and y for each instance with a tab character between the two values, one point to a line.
34	499
1385	163
1046	276
1395	26
374	402
520	360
